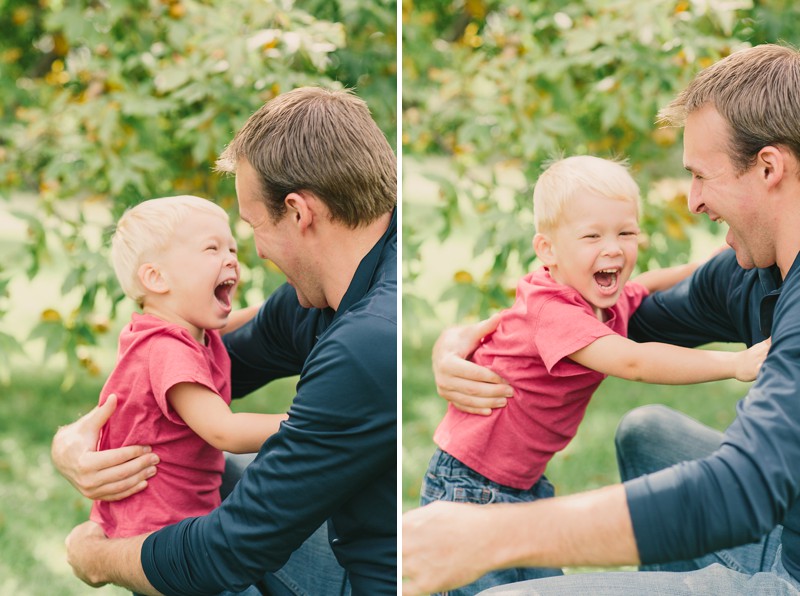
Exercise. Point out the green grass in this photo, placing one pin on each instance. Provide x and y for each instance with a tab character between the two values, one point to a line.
38	507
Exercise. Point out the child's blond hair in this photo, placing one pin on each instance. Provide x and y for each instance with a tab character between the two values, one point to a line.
564	179
146	229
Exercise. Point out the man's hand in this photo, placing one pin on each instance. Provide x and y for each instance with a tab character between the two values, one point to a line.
468	386
105	475
80	554
444	546
97	560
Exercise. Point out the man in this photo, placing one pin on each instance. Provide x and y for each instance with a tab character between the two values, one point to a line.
742	146
316	180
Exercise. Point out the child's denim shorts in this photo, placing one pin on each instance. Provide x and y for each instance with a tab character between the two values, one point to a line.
447	479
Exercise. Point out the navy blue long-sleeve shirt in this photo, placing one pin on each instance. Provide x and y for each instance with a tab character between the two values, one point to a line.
752	482
333	459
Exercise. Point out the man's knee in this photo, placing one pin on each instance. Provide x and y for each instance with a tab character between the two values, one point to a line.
639	425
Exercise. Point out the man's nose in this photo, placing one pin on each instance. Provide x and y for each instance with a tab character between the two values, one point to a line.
695	198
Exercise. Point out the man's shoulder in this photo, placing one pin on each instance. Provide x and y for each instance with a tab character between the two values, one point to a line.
378	306
369	323
365	335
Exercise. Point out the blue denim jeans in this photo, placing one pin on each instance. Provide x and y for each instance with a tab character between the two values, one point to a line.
312	570
649	439
447	479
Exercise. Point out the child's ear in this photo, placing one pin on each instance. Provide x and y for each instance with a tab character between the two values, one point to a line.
545	250
151	279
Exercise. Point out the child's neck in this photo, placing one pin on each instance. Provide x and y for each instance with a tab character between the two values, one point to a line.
600	313
170	316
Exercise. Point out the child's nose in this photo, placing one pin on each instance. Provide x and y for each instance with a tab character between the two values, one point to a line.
612	247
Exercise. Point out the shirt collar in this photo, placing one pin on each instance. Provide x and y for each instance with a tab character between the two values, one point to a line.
365	273
772	284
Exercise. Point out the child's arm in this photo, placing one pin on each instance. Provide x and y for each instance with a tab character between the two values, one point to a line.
239	317
662	279
210	417
669	365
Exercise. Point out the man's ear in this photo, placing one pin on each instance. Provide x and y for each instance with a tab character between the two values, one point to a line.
771	162
300	209
544	248
151	278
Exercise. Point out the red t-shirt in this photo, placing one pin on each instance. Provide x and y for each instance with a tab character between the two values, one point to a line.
153	356
529	349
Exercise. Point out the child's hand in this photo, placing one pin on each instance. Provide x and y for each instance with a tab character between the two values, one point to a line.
749	361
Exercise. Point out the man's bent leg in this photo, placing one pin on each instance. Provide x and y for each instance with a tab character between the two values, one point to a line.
654	437
235	464
312	570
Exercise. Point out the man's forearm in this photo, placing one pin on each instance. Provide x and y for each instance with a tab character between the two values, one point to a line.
440	549
123	564
98	560
592	528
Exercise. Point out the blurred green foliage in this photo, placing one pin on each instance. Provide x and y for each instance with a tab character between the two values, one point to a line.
504	85
110	102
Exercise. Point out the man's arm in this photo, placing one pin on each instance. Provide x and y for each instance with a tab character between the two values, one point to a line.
108	475
440	551
274	344
97	560
708	306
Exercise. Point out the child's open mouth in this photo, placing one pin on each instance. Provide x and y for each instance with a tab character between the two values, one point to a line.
223	293
606	280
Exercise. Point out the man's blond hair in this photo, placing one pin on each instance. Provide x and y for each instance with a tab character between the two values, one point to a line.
146	229
757	92
567	178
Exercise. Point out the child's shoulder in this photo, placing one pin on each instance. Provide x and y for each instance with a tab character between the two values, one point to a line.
146	329
539	285
633	288
633	293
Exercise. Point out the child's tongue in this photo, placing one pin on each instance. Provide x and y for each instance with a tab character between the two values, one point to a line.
605	279
223	295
